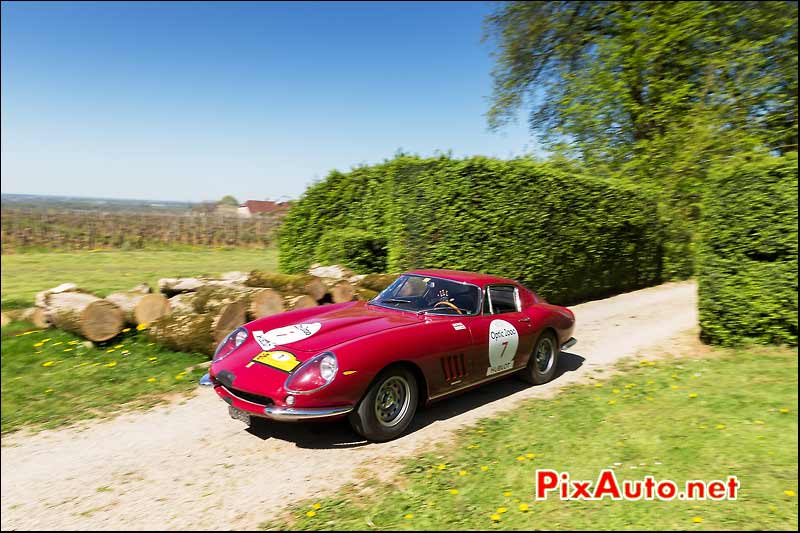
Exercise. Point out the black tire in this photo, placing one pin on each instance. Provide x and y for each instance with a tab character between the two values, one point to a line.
386	410
541	367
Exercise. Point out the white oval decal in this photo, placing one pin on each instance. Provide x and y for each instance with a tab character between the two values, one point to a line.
503	342
285	335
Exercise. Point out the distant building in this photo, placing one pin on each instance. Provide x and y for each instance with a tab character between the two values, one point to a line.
259	207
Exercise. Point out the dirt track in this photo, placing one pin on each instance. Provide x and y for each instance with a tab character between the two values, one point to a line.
189	466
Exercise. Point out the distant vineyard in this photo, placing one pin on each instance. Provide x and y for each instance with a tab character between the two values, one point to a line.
69	230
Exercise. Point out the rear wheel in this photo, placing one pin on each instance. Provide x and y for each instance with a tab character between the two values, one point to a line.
544	359
388	407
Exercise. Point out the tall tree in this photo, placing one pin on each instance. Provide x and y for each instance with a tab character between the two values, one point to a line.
650	90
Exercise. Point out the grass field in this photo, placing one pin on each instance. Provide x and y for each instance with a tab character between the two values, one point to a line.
733	413
107	271
49	378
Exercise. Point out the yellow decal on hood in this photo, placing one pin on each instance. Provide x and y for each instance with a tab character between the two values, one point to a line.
279	359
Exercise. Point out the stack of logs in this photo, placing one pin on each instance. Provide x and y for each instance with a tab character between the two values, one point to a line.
195	314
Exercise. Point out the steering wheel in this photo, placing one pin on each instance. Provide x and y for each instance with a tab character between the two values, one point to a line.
450	304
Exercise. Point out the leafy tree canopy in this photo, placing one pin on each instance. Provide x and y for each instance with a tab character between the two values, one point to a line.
649	90
229	200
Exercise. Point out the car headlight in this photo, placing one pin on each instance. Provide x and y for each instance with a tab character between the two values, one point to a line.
313	375
234	339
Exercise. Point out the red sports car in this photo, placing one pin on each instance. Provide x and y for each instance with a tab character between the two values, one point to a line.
429	335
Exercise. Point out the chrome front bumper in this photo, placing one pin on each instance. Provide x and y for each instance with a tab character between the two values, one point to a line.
289	414
569	344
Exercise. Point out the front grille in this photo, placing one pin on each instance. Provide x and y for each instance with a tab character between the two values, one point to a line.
250	397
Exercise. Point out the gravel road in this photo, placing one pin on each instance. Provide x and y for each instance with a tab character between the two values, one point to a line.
187	465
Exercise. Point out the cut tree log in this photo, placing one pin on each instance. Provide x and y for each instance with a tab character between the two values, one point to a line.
85	315
365	295
330	271
288	283
343	291
140	308
300	302
36	316
173	286
201	320
377	282
41	297
265	302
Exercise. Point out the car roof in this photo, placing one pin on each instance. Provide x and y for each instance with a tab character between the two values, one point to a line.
463	276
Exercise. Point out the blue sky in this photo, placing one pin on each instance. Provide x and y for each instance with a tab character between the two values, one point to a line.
191	101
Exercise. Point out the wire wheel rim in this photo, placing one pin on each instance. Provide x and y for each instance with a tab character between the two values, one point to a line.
392	401
544	355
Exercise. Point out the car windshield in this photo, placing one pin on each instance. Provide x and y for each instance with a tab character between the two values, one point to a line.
437	296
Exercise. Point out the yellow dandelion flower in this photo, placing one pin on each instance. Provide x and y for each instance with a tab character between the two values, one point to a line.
524	507
616	391
630	385
650	382
643	362
697	520
759	422
501	510
69	349
118	346
151	380
692	395
484	468
311	514
126	330
598	385
38	345
111	350
507	493
521	458
152	358
784	410
612	402
462	473
720	426
48	363
789	493
674	387
651	363
141	327
47	391
112	364
530	455
674	376
57	343
316	506
180	375
409	516
649	398
453	491
773	508
441	466
46	340
495	517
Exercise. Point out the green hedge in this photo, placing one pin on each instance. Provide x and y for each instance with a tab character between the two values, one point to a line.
569	237
748	252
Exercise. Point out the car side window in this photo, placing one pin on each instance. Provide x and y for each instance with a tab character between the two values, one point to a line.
502	299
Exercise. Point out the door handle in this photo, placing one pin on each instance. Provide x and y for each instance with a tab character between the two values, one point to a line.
525	319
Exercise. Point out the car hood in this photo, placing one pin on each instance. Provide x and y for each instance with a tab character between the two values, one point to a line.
329	328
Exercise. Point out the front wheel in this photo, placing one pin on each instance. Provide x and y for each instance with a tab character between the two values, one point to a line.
544	359
388	407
